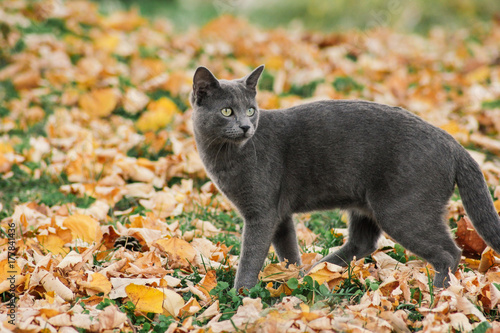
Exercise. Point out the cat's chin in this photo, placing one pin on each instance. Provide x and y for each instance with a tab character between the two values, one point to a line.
239	140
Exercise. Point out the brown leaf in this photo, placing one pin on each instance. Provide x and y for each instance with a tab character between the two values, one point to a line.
208	283
468	238
488	259
180	252
279	272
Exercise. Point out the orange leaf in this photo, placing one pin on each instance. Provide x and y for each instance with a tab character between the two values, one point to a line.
325	272
180	252
468	239
279	272
100	283
52	243
84	227
208	283
98	102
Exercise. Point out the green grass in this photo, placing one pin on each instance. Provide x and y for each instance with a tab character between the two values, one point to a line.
23	187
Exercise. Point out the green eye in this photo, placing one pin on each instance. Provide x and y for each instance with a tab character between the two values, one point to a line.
250	112
227	112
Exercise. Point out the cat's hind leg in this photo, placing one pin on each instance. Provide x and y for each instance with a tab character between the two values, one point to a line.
285	242
363	235
422	231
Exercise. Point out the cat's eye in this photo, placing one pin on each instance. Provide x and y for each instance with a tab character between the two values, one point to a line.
226	112
250	112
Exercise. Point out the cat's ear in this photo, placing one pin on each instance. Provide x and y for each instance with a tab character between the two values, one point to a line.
252	79
203	83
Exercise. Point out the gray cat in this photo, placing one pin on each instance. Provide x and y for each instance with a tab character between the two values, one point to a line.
388	168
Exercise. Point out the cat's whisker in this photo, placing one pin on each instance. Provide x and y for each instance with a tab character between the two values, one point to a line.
211	142
217	155
254	150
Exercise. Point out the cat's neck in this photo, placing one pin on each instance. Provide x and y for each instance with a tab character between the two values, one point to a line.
222	155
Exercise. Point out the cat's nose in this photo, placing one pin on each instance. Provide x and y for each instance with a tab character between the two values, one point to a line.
244	128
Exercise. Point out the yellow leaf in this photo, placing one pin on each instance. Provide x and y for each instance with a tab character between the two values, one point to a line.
325	272
7	269
180	252
173	302
84	227
497	205
479	74
274	62
279	272
453	128
107	42
98	102
191	307
100	283
177	81
159	114
49	313
208	283
52	243
488	259
146	299
5	148
126	21
283	289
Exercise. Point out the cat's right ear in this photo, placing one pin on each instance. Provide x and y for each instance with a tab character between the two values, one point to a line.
204	82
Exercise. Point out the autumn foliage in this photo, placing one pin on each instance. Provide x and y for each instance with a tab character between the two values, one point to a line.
115	224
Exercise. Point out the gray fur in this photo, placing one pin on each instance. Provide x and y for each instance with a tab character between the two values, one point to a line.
390	169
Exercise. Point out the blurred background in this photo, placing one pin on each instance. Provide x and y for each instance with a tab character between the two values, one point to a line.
323	15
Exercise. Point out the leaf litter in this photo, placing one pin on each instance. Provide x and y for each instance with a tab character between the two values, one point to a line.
127	232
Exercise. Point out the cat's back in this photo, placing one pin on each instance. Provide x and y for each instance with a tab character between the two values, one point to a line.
358	137
362	121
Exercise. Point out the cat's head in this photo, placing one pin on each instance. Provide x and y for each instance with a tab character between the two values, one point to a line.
225	110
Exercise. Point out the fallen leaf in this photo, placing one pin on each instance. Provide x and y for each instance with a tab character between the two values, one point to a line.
173	302
98	102
468	239
145	299
326	272
84	227
190	308
159	114
279	272
208	283
180	252
99	283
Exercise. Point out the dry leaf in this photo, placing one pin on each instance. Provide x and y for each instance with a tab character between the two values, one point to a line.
51	283
190	308
159	114
180	252
173	302
468	239
208	283
145	299
326	272
84	227
279	272
99	283
99	102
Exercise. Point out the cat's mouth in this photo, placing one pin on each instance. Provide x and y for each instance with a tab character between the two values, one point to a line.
238	136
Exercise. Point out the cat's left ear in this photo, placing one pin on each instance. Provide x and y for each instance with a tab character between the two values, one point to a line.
252	79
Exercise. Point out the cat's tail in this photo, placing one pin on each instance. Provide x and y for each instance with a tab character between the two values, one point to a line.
477	200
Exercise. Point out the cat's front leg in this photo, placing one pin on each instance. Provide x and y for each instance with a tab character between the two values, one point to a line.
257	237
285	242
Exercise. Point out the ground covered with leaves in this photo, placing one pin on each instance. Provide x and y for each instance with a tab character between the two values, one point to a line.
109	222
